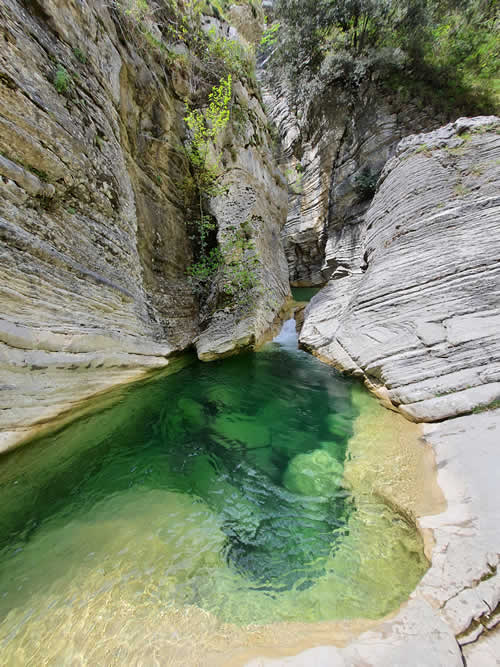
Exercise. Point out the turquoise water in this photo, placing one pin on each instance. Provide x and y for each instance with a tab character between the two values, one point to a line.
220	487
304	293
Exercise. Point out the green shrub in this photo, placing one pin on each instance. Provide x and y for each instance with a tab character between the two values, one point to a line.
365	183
270	35
62	80
447	54
80	55
239	276
158	29
206	268
228	56
205	126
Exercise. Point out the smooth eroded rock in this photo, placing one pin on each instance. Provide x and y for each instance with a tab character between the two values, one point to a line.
420	322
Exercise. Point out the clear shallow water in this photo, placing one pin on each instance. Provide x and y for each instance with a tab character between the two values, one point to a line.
220	488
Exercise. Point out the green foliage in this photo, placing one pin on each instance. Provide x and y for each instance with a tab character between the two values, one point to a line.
233	265
62	80
228	56
270	34
240	117
239	275
158	28
205	126
365	183
435	48
42	175
294	176
209	125
206	268
202	230
464	48
80	55
215	8
138	9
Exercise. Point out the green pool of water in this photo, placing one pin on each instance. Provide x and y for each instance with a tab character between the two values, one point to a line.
304	293
219	488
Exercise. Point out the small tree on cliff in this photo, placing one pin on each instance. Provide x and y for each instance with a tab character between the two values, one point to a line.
234	262
205	128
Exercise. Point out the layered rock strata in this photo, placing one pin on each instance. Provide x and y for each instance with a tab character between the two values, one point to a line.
334	148
418	317
94	242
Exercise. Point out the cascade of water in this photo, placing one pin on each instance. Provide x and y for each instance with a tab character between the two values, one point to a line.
288	337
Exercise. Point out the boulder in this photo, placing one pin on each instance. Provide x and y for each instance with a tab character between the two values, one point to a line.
316	473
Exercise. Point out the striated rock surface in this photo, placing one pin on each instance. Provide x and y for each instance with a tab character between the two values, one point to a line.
256	200
463	582
92	222
418	317
333	149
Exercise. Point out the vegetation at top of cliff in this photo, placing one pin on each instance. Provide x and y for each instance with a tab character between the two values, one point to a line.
177	34
445	49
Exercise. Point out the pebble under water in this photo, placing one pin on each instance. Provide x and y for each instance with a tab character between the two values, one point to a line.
219	488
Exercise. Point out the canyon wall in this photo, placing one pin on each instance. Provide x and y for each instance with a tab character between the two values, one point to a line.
334	148
419	318
95	247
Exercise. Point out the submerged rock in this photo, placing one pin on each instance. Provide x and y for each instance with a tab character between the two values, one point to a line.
317	473
339	425
192	412
242	430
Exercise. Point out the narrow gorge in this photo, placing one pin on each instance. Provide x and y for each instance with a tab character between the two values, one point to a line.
250	342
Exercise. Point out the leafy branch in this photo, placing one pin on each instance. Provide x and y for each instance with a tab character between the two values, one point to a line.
205	126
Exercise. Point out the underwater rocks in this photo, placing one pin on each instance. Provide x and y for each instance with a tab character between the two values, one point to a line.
315	473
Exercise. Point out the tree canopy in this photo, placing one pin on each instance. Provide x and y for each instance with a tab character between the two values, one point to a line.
452	44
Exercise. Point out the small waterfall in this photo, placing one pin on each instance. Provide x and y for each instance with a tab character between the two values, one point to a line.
288	337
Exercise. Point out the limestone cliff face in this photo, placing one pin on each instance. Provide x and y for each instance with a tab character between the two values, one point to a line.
333	149
419	319
94	242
